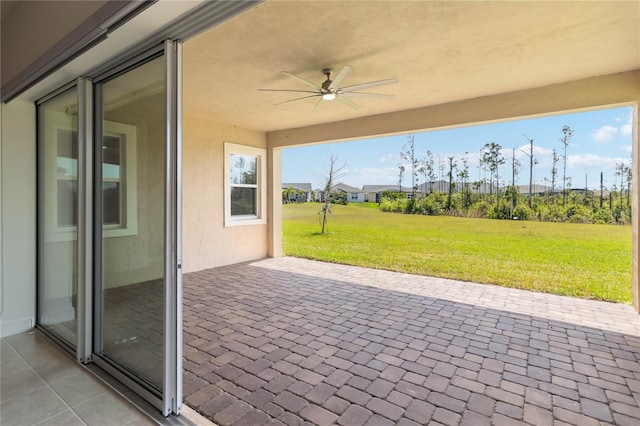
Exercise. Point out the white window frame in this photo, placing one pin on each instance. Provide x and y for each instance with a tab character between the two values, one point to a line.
260	218
129	183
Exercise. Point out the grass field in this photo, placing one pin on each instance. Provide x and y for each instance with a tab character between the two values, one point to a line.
589	261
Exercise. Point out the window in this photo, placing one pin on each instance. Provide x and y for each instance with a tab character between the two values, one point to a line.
119	178
245	179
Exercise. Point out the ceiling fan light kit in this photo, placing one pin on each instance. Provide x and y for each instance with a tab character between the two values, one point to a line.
331	90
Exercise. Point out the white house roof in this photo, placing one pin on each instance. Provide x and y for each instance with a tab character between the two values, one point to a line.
349	189
298	186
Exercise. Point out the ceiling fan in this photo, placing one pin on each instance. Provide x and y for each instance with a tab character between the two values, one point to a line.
330	90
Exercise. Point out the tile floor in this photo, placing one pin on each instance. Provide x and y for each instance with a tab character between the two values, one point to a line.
293	341
41	385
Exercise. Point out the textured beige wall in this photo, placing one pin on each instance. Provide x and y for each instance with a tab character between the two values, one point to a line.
18	180
206	243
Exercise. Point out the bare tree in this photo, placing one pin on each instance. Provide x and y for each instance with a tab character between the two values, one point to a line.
620	171
493	159
400	178
554	171
532	161
567	133
408	153
463	175
333	173
428	169
452	166
515	167
629	180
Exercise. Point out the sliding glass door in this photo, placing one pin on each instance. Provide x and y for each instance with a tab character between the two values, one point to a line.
58	216
131	192
109	235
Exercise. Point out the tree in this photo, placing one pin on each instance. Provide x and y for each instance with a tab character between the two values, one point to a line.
515	167
333	173
452	166
286	193
408	153
493	159
428	169
629	179
554	171
463	175
567	133
532	161
400	177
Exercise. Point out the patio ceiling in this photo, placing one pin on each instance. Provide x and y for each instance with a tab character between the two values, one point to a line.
440	52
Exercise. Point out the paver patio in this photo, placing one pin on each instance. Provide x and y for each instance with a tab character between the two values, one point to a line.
294	341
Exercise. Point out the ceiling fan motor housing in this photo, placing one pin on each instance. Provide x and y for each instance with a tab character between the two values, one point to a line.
327	72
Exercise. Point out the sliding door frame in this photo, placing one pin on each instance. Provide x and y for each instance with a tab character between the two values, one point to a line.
89	228
169	400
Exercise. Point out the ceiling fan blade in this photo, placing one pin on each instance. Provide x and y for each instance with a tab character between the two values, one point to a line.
368	95
302	80
369	85
297	99
347	102
319	105
287	90
342	75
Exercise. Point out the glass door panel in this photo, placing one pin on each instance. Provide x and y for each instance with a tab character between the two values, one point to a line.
58	216
132	209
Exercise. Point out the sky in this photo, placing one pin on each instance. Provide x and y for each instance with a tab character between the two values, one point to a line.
601	139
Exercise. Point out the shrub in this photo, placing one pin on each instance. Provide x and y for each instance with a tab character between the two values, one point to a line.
479	210
523	212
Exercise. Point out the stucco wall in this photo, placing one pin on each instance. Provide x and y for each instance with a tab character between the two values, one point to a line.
206	242
18	171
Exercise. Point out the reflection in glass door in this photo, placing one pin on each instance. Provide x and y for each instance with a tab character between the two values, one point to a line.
58	166
131	199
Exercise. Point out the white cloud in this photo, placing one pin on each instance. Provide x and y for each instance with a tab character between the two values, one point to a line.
626	130
604	134
577	161
626	148
371	176
388	157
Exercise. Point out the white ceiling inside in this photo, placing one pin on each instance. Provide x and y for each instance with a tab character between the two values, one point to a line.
440	52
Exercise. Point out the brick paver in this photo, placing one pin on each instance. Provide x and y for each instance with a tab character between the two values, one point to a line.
293	341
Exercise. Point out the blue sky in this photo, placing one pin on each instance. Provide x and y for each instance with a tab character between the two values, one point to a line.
601	139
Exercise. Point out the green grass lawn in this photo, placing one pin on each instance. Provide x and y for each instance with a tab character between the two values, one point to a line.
589	261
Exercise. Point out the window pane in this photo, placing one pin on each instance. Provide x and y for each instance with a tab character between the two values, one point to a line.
67	148
133	279
67	202
243	201
111	150
243	169
111	203
58	216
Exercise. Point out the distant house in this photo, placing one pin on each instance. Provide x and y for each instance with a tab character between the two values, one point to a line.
537	189
353	194
301	193
372	192
318	195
